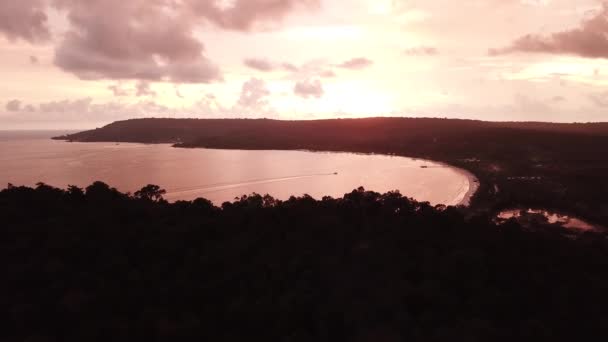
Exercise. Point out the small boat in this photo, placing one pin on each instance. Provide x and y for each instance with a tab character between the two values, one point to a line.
424	167
335	173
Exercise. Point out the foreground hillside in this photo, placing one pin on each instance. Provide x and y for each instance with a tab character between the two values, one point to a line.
546	165
99	265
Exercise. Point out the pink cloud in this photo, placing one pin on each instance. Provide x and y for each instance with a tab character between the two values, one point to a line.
24	19
137	39
253	93
142	88
290	67
67	106
356	63
309	89
259	64
327	74
589	40
117	90
151	40
243	15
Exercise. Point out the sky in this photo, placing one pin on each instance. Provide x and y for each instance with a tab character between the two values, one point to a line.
79	64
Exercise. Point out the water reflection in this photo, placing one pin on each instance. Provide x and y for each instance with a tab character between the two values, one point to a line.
524	216
222	175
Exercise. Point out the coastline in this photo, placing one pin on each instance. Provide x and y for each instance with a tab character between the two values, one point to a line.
473	181
473	186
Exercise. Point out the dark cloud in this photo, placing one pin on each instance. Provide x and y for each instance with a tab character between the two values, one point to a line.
253	93
309	89
259	64
589	40
151	40
142	88
136	39
13	106
421	51
24	19
356	63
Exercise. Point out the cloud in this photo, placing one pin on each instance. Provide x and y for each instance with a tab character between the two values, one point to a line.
327	74
24	19
151	40
259	64
84	107
421	51
599	99
311	69
356	63
290	67
78	106
34	60
83	112
309	89
589	40
136	39
142	88
13	106
118	91
253	94
245	15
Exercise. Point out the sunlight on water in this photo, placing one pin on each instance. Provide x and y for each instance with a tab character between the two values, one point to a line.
222	175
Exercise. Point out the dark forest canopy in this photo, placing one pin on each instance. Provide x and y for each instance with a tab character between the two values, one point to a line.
95	264
556	166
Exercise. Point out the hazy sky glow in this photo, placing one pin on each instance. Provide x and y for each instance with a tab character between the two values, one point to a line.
85	63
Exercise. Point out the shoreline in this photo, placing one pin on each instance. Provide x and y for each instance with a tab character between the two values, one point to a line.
473	181
473	186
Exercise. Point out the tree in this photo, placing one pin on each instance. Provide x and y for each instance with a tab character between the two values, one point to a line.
150	192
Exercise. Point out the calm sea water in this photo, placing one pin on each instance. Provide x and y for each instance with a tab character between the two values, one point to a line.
221	175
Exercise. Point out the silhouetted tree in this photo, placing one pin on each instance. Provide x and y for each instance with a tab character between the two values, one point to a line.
365	266
150	192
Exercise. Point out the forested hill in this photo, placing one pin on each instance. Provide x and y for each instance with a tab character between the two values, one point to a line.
95	264
386	134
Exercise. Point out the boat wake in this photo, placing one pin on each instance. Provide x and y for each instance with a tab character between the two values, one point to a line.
210	188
